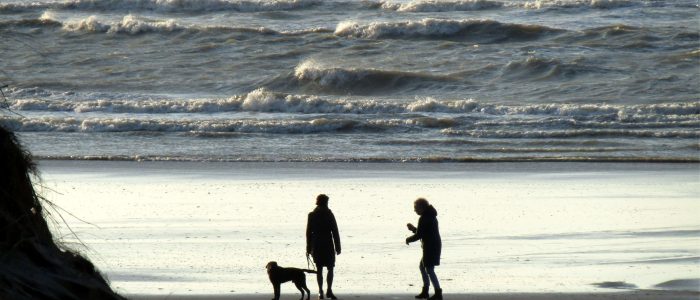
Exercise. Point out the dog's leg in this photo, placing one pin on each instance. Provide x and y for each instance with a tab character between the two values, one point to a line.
308	293
277	291
299	287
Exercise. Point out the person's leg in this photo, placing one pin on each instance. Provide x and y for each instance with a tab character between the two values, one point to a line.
426	282
319	279
436	284
424	275
433	277
329	278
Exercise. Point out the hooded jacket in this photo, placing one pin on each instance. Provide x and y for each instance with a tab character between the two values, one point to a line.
429	234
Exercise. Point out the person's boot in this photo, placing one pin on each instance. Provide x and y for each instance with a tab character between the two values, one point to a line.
423	293
329	294
437	296
320	294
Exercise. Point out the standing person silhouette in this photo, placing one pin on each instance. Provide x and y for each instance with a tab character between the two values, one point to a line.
429	234
323	242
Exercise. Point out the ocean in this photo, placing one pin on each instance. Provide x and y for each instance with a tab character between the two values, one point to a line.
388	81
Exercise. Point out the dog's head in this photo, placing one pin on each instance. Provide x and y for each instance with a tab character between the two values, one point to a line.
271	265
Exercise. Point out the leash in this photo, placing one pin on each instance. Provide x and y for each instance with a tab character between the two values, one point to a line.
309	262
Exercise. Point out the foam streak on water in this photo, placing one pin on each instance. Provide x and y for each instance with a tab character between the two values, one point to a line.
415	80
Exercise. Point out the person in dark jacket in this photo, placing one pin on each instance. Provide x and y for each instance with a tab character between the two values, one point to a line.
429	235
323	242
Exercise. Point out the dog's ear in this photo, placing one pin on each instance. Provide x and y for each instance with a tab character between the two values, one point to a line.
271	265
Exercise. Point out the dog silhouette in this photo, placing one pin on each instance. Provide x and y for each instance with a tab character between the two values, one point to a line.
279	275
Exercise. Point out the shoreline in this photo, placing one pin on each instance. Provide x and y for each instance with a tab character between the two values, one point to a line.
516	166
626	295
409	160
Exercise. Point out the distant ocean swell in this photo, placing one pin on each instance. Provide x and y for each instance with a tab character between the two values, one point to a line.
473	30
199	6
427	28
169	6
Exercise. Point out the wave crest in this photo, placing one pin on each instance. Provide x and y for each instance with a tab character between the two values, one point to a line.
477	30
441	6
263	100
598	4
357	80
133	24
130	24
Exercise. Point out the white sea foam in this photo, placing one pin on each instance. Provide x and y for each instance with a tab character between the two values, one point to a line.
311	70
425	27
263	100
128	124
357	80
438	28
129	24
451	126
601	4
133	24
574	133
441	6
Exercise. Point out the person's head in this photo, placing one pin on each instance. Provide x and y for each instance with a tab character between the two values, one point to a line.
322	200
420	205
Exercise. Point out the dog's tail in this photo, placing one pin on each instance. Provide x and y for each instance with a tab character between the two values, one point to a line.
309	271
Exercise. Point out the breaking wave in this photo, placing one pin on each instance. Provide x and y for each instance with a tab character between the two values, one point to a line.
262	100
441	6
358	80
129	24
478	30
472	5
133	24
448	126
57	124
597	4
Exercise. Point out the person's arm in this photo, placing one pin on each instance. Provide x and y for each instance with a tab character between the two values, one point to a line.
411	227
417	232
309	234
336	235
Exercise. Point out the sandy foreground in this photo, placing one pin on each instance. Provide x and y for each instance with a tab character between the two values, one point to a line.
510	231
638	295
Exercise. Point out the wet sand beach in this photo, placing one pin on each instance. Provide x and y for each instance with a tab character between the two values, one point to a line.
640	295
510	230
